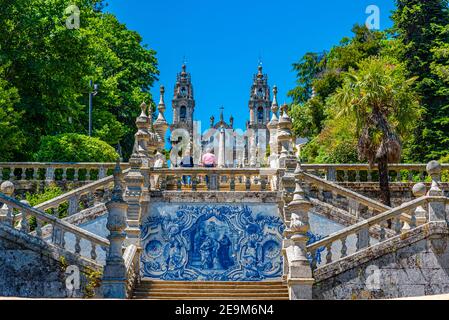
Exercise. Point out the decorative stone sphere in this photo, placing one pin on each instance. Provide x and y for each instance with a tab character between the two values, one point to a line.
419	190
433	168
7	188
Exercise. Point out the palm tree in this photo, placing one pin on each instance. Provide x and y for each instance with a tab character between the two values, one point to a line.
386	110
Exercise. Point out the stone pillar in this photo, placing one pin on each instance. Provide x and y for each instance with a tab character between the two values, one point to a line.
284	137
114	275
299	278
419	190
222	149
437	210
6	217
161	125
134	180
273	129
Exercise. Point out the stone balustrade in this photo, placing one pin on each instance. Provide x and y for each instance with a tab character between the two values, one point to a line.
60	229
131	257
392	218
211	179
55	171
78	199
399	173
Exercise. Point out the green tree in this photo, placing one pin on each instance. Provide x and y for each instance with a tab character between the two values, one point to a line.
386	110
72	147
319	75
420	27
11	138
51	66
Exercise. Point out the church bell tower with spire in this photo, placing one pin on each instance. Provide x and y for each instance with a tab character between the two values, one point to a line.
259	102
183	102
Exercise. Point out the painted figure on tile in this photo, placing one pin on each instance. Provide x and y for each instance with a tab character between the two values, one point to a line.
224	251
208	252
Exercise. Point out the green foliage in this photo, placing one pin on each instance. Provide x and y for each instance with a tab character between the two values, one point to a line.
50	67
11	138
74	147
49	192
421	27
385	107
93	281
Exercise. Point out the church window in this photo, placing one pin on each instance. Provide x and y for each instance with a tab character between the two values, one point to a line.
183	113
183	91
260	115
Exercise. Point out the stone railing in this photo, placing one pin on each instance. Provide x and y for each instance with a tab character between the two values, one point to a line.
212	179
361	230
81	198
355	202
60	230
398	173
132	263
55	171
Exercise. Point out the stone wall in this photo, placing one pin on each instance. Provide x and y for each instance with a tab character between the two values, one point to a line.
416	264
30	267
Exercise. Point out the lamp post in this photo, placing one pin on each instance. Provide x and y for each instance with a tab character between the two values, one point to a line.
91	95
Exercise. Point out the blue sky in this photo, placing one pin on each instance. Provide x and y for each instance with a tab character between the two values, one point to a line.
223	40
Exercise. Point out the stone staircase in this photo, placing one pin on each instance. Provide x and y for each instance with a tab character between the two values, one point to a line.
217	290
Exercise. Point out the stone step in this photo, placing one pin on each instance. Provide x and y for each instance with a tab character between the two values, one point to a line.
211	290
211	298
208	295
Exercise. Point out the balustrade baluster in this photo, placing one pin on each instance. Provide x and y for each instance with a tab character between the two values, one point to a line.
1	174
329	253
77	244
362	239
421	176
54	235
62	238
178	182
357	176
50	174
410	176
38	227
11	174
263	183
194	182
344	248
163	182
101	172
382	232
88	172
369	176
76	174
232	183
398	176
23	175
24	225
35	173
345	176
93	251
248	183
64	174
73	205
397	225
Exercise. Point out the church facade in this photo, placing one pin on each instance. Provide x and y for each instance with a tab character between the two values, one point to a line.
232	146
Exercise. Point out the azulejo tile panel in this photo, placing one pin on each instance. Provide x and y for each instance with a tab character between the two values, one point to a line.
212	242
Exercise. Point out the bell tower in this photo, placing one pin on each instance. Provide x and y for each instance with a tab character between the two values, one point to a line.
259	102
183	103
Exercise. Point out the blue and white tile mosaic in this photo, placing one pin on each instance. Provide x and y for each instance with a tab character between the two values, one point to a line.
212	242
